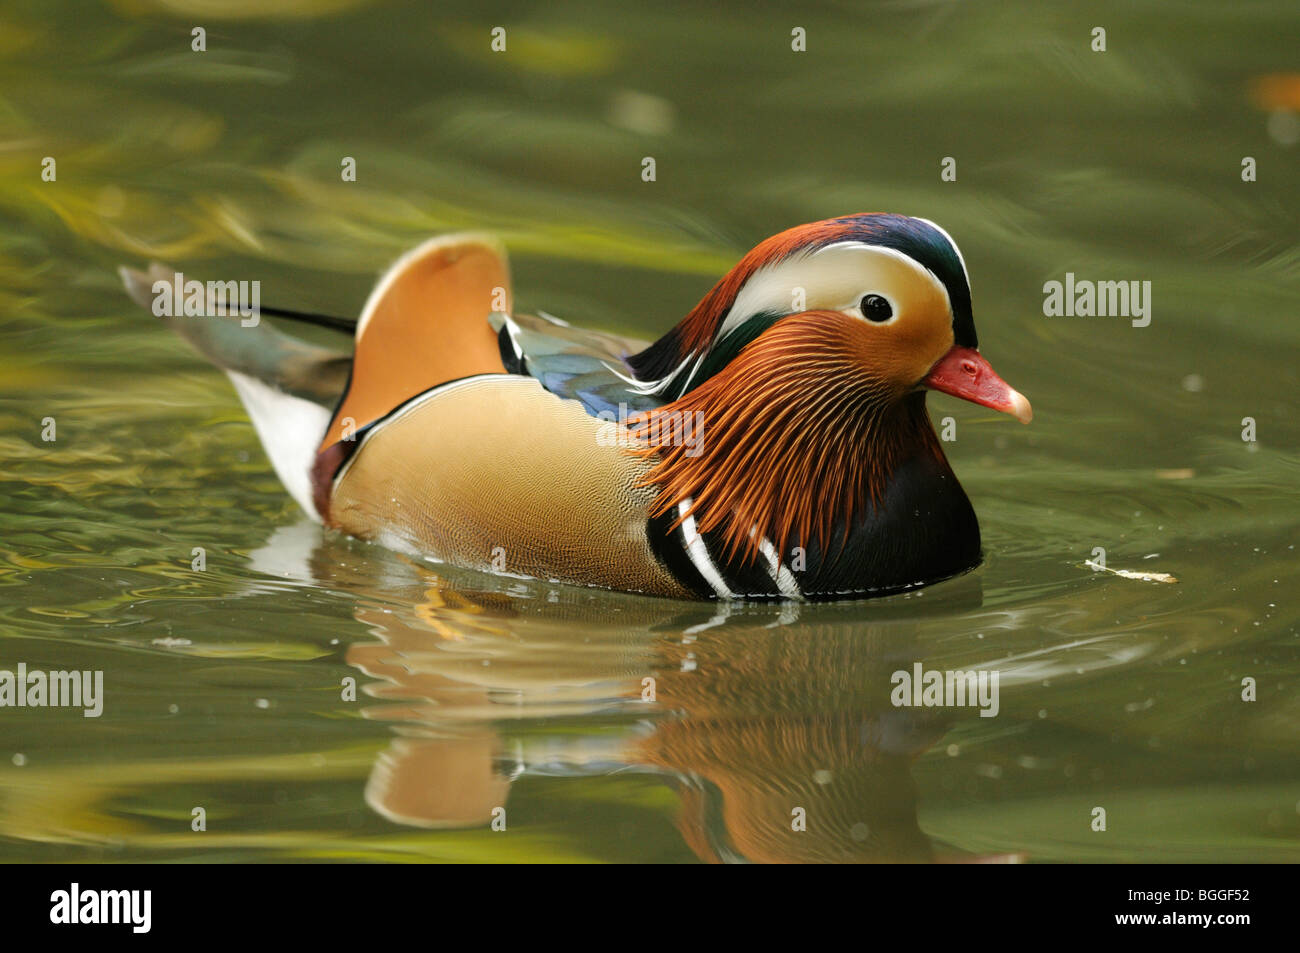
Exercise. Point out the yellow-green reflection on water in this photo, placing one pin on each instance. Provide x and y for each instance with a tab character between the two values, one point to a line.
225	689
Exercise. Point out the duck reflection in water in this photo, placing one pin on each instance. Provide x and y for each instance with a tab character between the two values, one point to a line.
773	723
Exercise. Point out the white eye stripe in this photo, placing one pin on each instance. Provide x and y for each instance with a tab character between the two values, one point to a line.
832	278
829	278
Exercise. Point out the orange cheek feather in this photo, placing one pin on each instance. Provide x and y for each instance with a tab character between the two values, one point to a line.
901	354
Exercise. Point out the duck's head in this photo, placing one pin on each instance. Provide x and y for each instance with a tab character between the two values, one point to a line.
814	352
891	288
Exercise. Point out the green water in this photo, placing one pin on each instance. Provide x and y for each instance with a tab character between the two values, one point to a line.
224	689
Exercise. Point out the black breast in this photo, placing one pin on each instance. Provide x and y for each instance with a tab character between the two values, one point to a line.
923	531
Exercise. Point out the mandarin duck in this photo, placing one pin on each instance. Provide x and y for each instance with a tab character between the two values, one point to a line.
774	444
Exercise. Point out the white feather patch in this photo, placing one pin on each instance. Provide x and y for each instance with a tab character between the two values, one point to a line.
290	429
834	278
781	574
699	554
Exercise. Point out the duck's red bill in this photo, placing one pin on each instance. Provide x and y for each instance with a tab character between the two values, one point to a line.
964	373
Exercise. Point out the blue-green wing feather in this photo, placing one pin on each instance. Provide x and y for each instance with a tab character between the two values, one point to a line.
587	366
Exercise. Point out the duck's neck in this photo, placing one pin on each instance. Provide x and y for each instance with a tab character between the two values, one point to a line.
807	453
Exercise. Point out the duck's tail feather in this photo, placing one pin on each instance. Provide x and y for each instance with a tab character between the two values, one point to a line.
250	346
289	387
333	322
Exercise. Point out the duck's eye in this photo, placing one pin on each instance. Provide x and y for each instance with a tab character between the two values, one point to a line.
876	308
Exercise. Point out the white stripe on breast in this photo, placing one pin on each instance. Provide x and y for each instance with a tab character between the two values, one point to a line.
781	574
699	554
